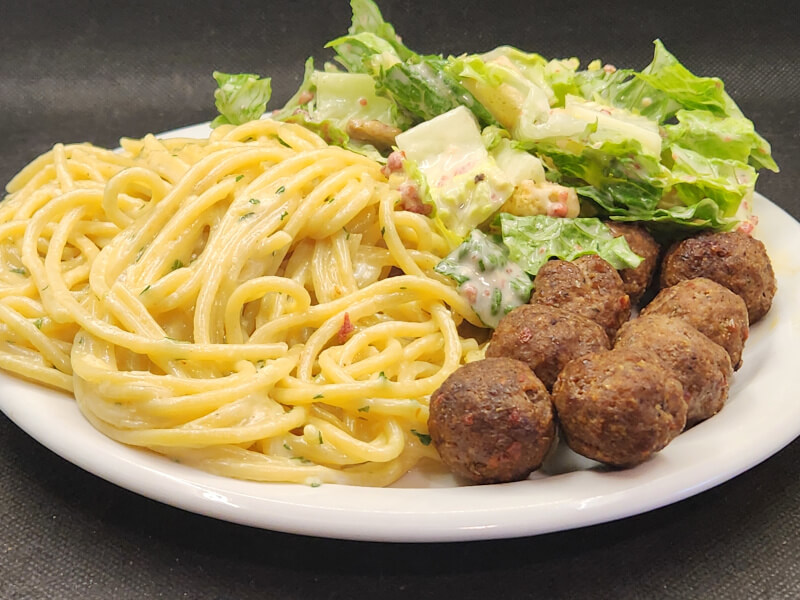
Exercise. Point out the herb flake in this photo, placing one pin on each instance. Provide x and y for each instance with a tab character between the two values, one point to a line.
424	438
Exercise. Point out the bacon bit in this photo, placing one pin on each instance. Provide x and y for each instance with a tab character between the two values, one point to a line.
468	419
557	209
394	163
410	200
362	101
525	334
745	227
346	329
470	293
305	97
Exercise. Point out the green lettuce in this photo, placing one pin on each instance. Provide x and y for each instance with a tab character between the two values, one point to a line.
532	241
327	101
419	84
240	97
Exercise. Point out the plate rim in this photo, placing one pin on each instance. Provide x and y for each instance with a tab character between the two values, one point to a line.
444	514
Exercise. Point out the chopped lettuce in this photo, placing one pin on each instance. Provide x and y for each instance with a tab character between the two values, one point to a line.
726	137
241	97
420	84
511	98
532	241
464	182
661	144
327	101
486	277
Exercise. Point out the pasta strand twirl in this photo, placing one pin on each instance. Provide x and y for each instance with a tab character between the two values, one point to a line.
252	304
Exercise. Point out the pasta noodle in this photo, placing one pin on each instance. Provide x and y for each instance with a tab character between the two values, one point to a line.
252	304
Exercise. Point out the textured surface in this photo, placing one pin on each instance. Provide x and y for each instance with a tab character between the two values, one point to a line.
73	73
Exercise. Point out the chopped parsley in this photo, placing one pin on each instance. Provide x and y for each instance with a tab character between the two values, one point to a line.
38	323
254	201
177	264
318	396
147	287
284	214
239	177
424	438
280	190
364	409
247	216
19	270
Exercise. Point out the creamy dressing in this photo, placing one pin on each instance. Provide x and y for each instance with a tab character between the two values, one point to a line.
486	278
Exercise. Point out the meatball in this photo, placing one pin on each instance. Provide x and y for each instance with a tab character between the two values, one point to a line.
588	286
619	407
703	367
492	421
709	307
636	281
733	259
546	338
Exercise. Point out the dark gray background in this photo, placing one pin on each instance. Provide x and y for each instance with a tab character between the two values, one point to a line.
97	71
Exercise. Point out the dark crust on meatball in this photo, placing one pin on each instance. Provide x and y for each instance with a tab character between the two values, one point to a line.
703	367
709	307
546	338
619	407
636	281
733	259
492	421
588	286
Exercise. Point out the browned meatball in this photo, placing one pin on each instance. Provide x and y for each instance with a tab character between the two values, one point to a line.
546	338
733	259
710	308
588	286
636	281
619	407
703	367
492	421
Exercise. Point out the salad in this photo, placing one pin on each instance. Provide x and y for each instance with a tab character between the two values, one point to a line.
518	158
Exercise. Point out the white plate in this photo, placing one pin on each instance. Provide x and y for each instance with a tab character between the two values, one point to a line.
761	417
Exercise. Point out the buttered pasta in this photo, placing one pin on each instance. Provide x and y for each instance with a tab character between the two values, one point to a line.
253	304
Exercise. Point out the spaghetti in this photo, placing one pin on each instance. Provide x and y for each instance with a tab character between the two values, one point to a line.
252	304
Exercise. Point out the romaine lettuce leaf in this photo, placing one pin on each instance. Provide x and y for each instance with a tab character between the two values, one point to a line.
240	97
532	241
367	18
